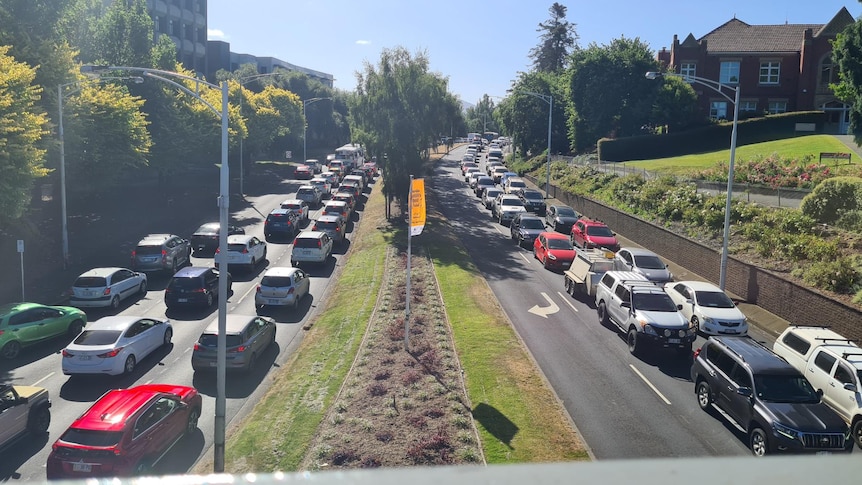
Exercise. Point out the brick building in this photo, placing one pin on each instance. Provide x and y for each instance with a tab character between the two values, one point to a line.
779	68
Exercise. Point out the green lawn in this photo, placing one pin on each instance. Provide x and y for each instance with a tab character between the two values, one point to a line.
788	148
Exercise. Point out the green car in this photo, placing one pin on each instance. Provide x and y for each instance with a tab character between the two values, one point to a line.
24	324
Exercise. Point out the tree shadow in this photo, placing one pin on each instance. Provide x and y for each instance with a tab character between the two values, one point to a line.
496	423
17	452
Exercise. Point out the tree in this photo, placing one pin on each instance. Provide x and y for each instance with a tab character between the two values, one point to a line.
610	97
124	35
525	116
675	105
847	54
558	37
23	125
480	117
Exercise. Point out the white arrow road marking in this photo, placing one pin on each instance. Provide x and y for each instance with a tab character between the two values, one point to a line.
544	311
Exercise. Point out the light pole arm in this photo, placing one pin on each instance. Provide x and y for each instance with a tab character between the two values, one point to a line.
716	86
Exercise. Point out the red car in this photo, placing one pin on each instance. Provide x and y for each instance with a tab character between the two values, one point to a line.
302	172
126	432
589	233
554	250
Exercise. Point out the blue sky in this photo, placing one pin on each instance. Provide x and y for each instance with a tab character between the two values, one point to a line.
479	45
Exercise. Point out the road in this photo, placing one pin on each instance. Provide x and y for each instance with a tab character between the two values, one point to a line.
623	406
71	397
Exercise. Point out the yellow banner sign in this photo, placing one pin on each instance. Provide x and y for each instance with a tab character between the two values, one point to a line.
417	207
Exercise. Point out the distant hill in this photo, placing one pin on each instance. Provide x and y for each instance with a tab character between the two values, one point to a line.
465	105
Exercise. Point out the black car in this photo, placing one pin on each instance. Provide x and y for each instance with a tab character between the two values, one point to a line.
561	218
767	397
525	228
533	201
205	238
194	286
281	223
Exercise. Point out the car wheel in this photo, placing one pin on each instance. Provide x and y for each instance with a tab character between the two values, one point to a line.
632	340
115	302
129	366
209	299
142	468
143	288
11	350
76	328
167	340
192	423
758	442
696	323
704	395
856	432
39	420
602	310
568	285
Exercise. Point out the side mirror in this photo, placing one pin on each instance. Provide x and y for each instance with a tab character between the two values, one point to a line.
679	307
849	386
625	304
744	392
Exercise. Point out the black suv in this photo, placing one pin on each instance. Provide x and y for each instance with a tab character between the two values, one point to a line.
534	201
766	397
281	222
194	285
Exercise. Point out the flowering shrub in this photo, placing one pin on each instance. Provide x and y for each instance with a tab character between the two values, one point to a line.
773	171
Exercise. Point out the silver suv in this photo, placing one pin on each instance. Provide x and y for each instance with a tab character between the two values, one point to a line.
161	252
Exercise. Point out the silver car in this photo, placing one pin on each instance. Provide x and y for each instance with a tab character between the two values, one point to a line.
642	261
247	336
161	252
101	287
282	287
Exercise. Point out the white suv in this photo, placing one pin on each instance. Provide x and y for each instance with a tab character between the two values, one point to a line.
311	247
243	250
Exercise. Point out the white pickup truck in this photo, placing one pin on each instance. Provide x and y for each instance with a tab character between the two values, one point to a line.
832	364
587	269
23	409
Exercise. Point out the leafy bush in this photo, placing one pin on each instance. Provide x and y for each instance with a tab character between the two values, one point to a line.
837	275
773	171
832	198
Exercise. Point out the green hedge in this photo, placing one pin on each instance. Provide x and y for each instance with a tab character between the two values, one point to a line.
707	138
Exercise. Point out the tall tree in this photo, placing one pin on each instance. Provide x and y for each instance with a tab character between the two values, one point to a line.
525	116
124	35
675	105
22	126
847	54
558	37
480	117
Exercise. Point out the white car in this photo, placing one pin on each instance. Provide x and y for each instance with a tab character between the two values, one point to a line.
243	250
115	345
506	206
311	247
282	287
298	206
323	184
707	308
101	287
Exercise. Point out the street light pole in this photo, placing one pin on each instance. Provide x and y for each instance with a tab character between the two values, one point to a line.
223	204
305	123
719	87
550	100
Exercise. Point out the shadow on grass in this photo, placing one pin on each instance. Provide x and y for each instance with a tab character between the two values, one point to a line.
496	423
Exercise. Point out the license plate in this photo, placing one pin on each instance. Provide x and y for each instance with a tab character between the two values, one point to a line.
183	300
82	467
272	302
673	340
83	357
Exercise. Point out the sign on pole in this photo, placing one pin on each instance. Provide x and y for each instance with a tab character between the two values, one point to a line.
417	207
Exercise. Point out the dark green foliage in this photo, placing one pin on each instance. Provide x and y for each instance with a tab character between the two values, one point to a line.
558	38
833	198
838	275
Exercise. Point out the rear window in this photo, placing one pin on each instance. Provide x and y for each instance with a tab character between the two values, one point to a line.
307	242
207	230
90	282
88	437
291	206
185	283
98	337
517	183
148	250
532	195
599	231
327	225
795	343
236	247
211	340
275	281
279	217
305	192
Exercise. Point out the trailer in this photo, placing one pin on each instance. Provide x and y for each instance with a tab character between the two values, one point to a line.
587	269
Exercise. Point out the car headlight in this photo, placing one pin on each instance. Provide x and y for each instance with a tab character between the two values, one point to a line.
709	320
648	329
786	431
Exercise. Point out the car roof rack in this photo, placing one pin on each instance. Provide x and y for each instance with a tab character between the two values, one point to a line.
829	339
847	354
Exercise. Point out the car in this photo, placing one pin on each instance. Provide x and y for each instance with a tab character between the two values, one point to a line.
332	225
491	165
708	308
533	200
483	183
247	336
310	194
768	399
506	206
337	208
553	250
302	172
314	165
504	177
281	223
282	287
513	185
643	261
205	239
468	165
358	176
349	187
471	170
243	250
194	285
26	324
372	166
23	410
347	198
114	345
525	228
297	205
125	433
589	233
323	184
561	218
311	247
497	173
469	157
332	177
106	287
473	178
489	195
161	252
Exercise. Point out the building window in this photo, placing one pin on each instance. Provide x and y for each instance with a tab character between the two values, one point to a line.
769	72
688	69
202	35
747	106
777	107
828	72
718	110
171	27
729	73
189	4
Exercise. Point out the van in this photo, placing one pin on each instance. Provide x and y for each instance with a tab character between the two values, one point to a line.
311	247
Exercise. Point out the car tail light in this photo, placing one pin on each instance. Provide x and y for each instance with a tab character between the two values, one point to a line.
258	289
291	290
241	348
337	229
66	353
697	352
218	250
319	244
314	228
164	255
107	291
112	353
199	290
244	250
197	346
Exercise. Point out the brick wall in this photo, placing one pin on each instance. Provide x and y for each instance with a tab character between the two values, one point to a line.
794	303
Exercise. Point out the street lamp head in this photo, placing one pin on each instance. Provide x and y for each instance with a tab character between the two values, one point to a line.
93	70
653	75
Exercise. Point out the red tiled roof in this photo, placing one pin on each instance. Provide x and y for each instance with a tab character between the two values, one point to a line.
738	36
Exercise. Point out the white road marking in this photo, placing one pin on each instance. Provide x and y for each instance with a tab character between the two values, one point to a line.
148	382
566	299
497	227
42	379
523	257
650	384
544	311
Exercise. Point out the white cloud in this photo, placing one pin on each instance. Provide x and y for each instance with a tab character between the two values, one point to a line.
216	34
363	42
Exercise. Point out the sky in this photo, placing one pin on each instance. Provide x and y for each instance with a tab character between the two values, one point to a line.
480	46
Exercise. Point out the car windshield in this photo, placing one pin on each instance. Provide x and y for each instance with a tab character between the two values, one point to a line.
560	243
275	281
532	224
566	212
533	195
89	437
649	262
714	299
786	388
517	183
98	337
90	282
512	201
492	193
653	302
599	231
